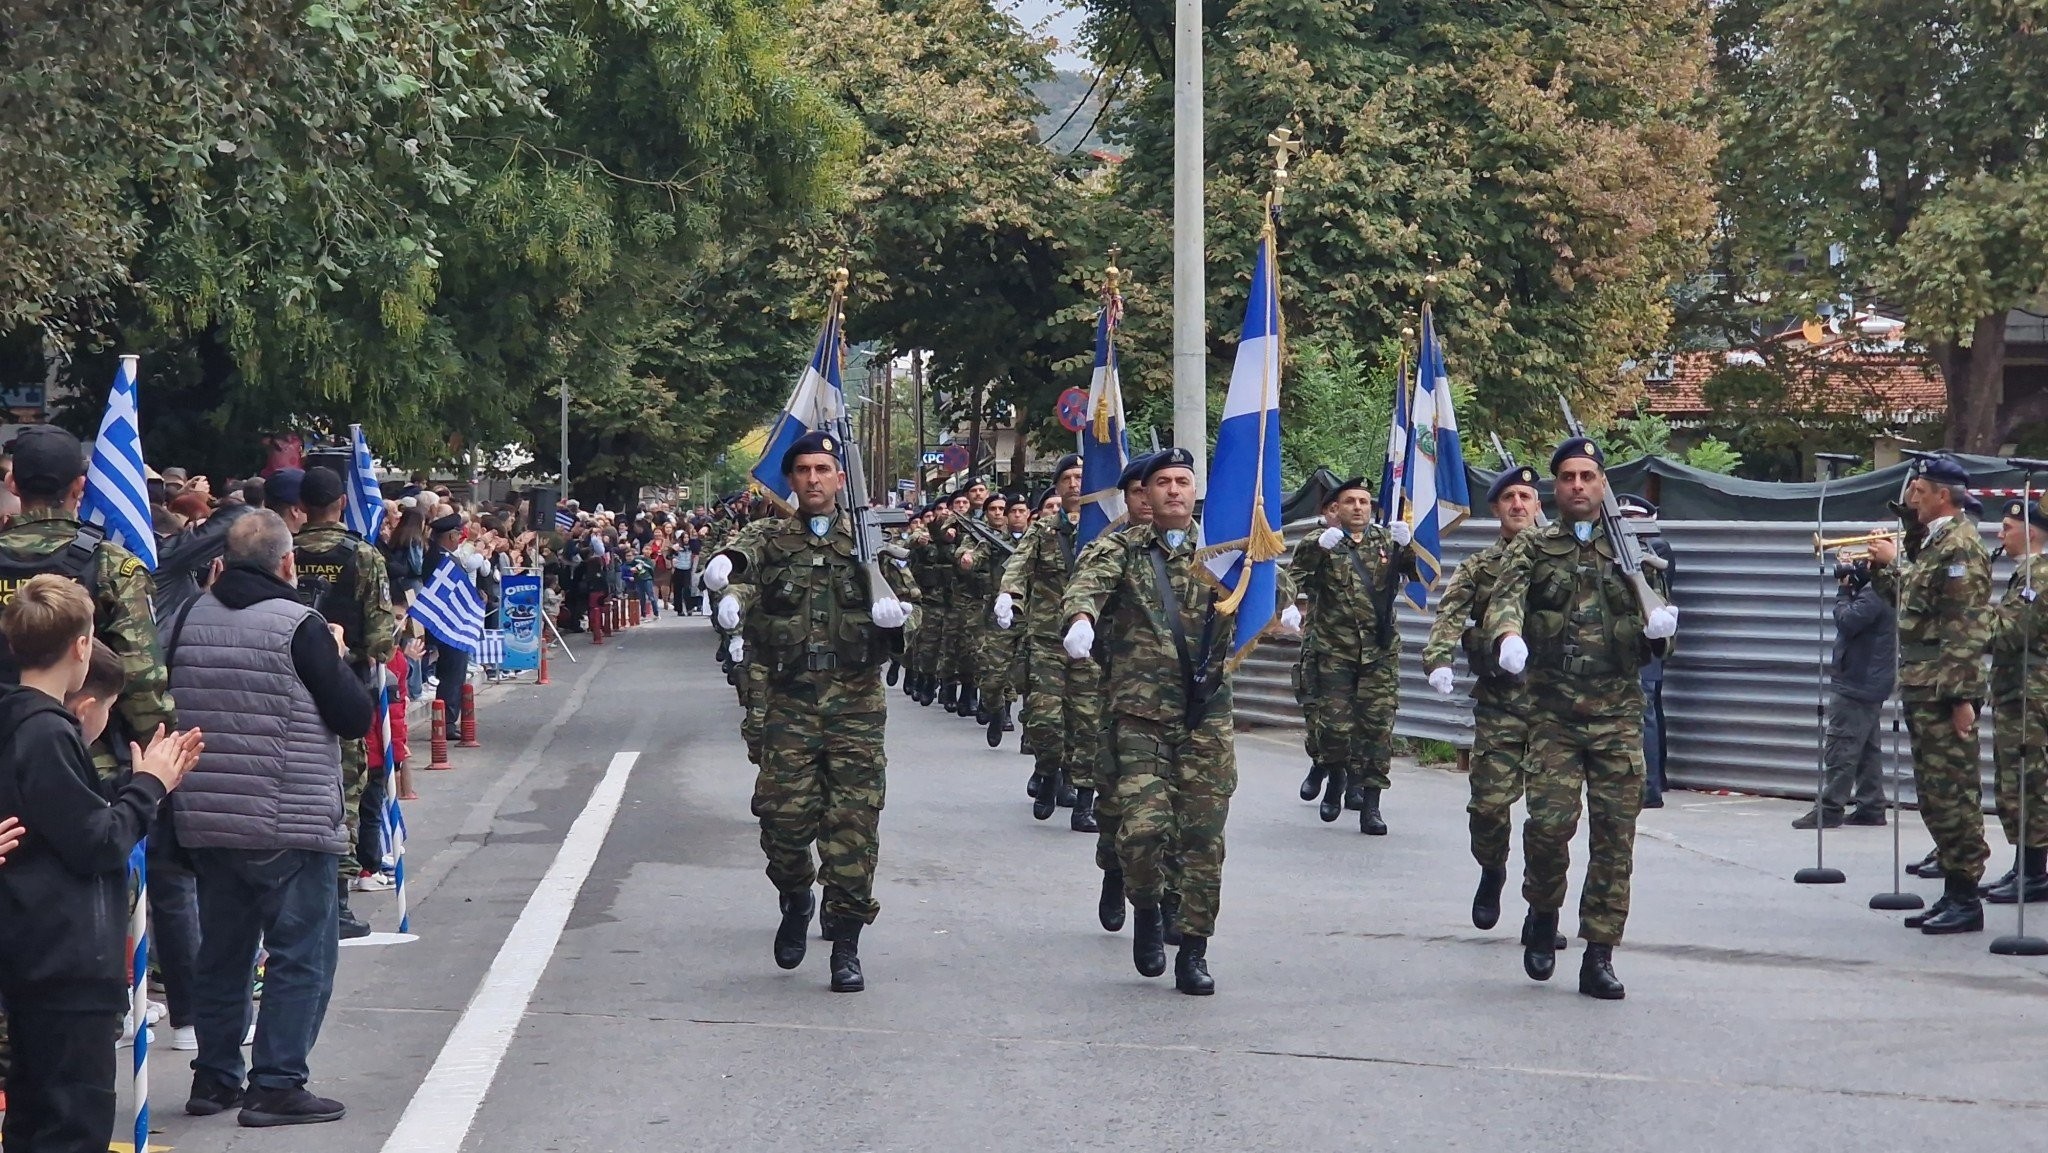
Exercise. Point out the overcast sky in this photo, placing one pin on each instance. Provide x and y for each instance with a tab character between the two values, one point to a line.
1059	19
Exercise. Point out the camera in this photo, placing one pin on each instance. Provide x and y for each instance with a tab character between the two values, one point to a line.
1854	574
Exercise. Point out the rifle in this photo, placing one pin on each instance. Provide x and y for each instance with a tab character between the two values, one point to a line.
988	536
1628	549
867	523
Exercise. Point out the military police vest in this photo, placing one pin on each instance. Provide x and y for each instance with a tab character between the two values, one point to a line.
73	562
327	583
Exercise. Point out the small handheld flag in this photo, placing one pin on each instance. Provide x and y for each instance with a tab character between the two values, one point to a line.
116	493
450	607
365	513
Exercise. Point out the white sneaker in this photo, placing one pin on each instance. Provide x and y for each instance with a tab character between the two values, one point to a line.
185	1039
127	1040
250	1037
158	1011
372	883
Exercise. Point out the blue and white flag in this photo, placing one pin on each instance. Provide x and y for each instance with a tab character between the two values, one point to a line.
1104	449
116	493
1241	542
450	608
816	403
1400	444
365	513
564	519
1433	484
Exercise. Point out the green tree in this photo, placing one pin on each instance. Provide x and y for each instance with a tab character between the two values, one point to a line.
1335	403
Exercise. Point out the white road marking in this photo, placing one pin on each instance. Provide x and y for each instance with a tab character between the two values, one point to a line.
441	1111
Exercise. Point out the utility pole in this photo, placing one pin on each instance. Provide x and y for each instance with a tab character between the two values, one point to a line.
1190	333
564	479
917	396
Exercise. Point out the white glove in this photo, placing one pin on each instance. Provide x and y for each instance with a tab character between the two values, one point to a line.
889	613
1006	611
737	650
718	573
1330	538
1514	655
728	612
1663	623
1080	639
1401	533
1441	681
1290	619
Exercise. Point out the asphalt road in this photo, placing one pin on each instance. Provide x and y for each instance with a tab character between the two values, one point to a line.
593	972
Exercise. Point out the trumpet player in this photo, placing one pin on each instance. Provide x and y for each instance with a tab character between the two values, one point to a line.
1943	597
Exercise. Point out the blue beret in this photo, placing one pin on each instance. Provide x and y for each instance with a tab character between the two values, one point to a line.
808	444
1942	469
1631	503
1067	463
1521	475
284	486
1972	505
2016	508
1165	458
1356	483
1134	472
1575	447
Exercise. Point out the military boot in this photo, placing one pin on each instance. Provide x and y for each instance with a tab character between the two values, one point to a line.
846	974
949	696
1984	889
1486	902
1354	796
1928	866
1046	796
1110	908
1191	968
352	927
1596	973
895	670
1082	819
1333	797
970	703
1148	941
791	936
1369	820
1312	784
1031	784
1539	944
995	727
1067	793
1920	918
1965	912
2031	885
1169	917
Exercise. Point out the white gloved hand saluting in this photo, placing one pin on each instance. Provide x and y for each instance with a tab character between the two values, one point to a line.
737	650
1663	623
718	573
889	613
1330	538
1006	611
1441	681
728	612
1514	655
1401	533
1080	639
1290	620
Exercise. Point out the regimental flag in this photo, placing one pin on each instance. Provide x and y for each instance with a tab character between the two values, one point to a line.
816	403
1433	486
365	512
1241	542
116	493
450	607
1104	448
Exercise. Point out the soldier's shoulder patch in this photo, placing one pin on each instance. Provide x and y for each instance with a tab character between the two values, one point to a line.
1956	571
131	566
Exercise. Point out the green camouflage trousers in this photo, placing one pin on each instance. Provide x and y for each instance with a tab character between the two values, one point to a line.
923	655
822	782
1604	755
2007	744
1064	712
1351	708
996	664
754	694
956	654
1173	795
355	775
1311	734
1500	752
1951	792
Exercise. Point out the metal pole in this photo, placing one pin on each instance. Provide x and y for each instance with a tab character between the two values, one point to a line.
1820	873
565	438
1190	336
2018	943
917	396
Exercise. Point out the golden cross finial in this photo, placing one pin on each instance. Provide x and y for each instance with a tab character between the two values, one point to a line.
840	279
1284	145
1113	274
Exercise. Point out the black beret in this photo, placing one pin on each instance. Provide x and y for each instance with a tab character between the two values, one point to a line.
1165	458
2016	507
1521	476
1013	497
46	459
1357	483
1972	505
808	444
1576	447
1044	496
1942	469
283	487
1067	464
1134	472
450	523
321	487
1639	505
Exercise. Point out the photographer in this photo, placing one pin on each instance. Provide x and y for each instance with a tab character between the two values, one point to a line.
1859	683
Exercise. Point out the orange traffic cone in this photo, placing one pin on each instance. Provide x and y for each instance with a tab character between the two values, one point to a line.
438	747
543	665
469	740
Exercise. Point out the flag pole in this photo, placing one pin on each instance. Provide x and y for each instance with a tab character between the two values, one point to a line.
1190	336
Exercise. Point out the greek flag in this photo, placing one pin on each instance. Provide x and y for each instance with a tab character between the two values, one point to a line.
564	519
1241	542
1400	442
815	403
1433	484
1104	448
116	495
365	513
450	608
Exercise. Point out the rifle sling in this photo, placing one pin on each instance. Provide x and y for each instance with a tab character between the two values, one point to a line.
1194	675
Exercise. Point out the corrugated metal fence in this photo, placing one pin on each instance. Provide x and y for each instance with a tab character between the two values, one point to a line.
1740	693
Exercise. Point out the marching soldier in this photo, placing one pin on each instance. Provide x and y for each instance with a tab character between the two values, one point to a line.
1351	673
745	646
1945	624
1563	614
2019	704
981	565
1311	736
1061	718
1169	697
825	636
1500	703
343	576
1000	648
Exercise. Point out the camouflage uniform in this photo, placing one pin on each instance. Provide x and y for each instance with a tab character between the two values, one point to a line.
753	686
1500	703
1584	629
975	591
122	618
370	628
925	568
962	603
2019	702
1945	624
998	658
822	765
1351	680
1063	715
1175	771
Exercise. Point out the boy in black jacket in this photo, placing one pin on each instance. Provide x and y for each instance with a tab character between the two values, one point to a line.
64	893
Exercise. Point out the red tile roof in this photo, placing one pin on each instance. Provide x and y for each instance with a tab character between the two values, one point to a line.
1834	377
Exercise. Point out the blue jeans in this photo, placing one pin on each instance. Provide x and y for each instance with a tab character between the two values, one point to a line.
287	902
644	589
452	667
174	930
1653	738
